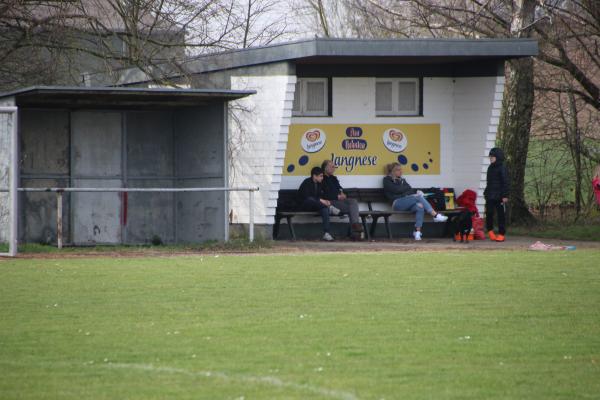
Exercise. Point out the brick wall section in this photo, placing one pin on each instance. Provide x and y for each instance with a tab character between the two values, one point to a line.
259	127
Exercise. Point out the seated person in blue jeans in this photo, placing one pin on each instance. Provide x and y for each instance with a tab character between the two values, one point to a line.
405	198
312	198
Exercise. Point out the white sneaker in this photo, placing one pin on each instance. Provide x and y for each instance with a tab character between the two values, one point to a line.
440	218
334	210
327	237
417	235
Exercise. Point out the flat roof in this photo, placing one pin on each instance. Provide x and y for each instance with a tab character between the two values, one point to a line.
118	97
354	51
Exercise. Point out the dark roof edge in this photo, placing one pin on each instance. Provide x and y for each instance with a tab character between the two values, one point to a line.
335	47
128	90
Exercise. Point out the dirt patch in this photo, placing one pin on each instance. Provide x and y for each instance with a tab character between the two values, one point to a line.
513	243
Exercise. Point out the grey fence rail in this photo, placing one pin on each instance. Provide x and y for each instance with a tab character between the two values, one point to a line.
59	203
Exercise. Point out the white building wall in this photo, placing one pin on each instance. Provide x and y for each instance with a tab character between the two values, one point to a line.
467	110
353	102
258	128
477	106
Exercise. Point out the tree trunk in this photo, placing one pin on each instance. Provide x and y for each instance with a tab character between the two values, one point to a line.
515	123
574	141
515	120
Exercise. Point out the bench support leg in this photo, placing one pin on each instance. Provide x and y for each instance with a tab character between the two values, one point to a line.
276	227
291	227
363	219
387	226
374	225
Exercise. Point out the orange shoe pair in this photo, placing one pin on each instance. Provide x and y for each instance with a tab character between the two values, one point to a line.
496	238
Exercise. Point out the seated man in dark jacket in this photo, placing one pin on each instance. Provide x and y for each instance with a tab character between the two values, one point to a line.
312	198
335	194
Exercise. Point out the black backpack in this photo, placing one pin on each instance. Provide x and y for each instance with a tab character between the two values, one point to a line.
435	197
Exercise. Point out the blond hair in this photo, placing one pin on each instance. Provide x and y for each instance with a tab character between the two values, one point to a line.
390	167
596	172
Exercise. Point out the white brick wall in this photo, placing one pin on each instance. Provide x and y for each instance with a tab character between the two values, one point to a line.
258	156
477	106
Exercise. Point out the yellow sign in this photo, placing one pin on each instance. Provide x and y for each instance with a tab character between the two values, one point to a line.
363	149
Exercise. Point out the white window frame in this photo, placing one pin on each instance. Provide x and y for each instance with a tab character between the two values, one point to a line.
301	84
395	94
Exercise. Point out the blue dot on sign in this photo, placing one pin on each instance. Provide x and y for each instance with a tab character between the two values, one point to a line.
402	159
429	152
425	166
414	167
430	160
290	168
303	160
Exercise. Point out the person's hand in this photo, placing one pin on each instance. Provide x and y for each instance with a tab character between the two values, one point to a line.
420	193
505	199
341	196
325	202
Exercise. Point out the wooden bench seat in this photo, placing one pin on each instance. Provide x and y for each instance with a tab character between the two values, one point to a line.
286	205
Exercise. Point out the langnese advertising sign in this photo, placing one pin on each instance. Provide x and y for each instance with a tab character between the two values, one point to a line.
363	149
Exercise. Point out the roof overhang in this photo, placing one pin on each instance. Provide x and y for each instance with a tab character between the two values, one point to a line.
353	51
116	97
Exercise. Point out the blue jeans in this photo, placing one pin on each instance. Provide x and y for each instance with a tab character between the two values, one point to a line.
313	204
416	204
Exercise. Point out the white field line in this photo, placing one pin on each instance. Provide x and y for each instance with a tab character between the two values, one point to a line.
265	380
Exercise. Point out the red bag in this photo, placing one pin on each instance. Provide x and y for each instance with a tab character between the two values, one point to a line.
479	233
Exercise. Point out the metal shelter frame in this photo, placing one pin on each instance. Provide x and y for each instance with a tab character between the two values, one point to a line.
59	205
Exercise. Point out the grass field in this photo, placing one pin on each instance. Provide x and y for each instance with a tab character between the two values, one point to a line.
440	325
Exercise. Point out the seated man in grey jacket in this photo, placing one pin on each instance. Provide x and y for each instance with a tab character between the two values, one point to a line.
332	190
405	198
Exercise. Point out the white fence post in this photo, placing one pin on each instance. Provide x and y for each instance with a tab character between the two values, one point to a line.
59	219
13	181
251	205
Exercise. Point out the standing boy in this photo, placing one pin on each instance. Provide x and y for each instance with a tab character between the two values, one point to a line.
496	194
312	198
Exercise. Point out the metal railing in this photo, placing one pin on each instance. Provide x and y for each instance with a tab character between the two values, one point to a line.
59	204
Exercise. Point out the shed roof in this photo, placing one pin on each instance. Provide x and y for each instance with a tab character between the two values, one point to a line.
118	97
357	51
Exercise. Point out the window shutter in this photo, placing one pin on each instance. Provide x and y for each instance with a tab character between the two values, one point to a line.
407	96
315	96
296	108
383	96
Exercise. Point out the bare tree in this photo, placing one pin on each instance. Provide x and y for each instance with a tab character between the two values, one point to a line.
155	36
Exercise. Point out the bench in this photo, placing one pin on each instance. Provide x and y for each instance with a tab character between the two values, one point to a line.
286	204
286	208
370	196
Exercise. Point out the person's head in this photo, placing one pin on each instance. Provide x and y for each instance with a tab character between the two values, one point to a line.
597	172
316	174
328	167
394	170
496	155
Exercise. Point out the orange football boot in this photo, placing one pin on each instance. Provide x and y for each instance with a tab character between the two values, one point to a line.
492	235
500	238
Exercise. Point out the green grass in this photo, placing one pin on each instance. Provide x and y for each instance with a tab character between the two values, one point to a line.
555	230
453	325
550	172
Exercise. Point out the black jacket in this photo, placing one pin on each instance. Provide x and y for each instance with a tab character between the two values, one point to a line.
497	178
308	188
395	188
331	187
